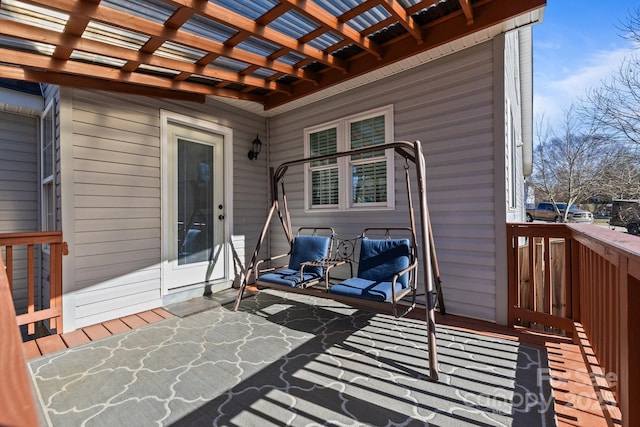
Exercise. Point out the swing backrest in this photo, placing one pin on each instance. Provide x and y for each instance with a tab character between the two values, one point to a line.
381	259
308	248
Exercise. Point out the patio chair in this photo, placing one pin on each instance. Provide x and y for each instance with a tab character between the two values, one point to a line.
386	273
304	248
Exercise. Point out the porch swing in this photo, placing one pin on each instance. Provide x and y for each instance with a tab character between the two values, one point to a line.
387	266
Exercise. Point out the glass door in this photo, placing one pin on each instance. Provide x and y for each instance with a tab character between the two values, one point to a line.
195	214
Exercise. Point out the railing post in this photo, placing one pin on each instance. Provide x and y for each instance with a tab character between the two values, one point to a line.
55	279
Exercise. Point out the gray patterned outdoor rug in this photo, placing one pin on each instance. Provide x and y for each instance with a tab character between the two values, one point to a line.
296	361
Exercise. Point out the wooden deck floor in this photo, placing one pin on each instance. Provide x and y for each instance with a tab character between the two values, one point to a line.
577	382
52	343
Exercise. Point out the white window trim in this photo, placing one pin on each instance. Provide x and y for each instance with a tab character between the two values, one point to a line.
47	180
345	188
511	156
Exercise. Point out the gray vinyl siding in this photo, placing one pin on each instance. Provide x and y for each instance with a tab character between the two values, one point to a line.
116	197
18	190
449	106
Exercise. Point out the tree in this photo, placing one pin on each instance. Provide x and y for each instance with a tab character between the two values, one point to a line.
596	153
614	107
620	176
571	165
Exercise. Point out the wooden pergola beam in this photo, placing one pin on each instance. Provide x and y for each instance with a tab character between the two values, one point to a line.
35	76
206	48
102	73
440	32
151	29
403	17
71	43
332	24
468	10
214	12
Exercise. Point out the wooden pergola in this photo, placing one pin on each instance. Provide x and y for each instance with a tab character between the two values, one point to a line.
266	51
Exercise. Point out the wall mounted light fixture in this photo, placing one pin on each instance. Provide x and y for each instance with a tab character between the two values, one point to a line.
256	146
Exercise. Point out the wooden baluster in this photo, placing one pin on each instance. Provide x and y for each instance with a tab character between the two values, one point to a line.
9	267
31	287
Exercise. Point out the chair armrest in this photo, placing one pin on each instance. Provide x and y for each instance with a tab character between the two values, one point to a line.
256	270
412	283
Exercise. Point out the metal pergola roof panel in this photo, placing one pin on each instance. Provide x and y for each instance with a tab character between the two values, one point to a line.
270	52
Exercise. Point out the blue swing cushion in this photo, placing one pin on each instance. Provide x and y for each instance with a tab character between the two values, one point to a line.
379	261
304	248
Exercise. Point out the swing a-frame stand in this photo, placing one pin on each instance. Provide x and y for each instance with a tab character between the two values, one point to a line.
421	239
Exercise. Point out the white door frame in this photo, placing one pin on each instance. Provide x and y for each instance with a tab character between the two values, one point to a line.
167	117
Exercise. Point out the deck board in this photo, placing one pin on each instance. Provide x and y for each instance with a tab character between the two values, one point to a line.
163	313
150	316
134	321
116	326
50	344
96	332
576	400
31	350
75	338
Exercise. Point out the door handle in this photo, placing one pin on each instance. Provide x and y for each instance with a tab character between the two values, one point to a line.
220	217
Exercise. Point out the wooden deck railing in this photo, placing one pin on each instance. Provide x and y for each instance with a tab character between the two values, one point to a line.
52	311
17	405
582	279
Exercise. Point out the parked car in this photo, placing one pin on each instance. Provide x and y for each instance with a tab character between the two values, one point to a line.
549	211
626	213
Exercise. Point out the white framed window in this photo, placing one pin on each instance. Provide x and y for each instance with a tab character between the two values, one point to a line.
364	181
47	169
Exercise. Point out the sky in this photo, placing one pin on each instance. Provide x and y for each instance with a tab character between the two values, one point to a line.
578	44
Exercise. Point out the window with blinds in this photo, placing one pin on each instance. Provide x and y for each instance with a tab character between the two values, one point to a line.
365	133
324	173
358	181
369	170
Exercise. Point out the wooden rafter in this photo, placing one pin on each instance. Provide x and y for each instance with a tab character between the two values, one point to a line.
26	74
75	27
332	24
123	20
420	6
352	13
398	12
379	26
240	23
272	14
40	62
175	21
468	10
440	32
196	48
67	42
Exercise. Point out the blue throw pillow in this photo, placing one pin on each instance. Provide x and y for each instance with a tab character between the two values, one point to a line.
381	259
308	248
